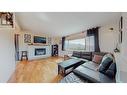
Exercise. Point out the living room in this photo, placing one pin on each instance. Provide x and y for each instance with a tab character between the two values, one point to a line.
63	47
40	43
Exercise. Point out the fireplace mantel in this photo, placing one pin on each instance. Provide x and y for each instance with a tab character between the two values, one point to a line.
37	44
31	52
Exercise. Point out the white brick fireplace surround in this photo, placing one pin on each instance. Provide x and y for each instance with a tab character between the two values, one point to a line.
32	55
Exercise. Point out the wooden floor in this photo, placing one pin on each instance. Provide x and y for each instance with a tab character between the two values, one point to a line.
37	71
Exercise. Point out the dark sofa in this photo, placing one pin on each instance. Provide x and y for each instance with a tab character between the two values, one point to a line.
83	55
87	55
89	70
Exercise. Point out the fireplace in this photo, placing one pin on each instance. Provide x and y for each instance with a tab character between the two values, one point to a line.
40	51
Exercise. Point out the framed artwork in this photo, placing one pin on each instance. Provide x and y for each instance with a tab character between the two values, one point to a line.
6	18
120	29
27	38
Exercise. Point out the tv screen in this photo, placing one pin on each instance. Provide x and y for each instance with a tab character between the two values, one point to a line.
38	39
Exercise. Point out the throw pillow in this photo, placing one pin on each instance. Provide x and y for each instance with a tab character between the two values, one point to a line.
111	71
97	59
110	56
106	61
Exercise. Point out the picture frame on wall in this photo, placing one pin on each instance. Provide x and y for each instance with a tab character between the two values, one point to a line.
27	38
6	19
120	29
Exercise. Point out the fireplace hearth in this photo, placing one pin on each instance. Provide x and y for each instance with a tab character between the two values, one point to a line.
40	51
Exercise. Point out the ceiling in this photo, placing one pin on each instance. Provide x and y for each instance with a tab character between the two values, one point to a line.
63	23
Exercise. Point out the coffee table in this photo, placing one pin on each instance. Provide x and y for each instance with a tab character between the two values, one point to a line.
69	65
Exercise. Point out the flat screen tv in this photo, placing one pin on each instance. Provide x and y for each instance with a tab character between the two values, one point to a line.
38	39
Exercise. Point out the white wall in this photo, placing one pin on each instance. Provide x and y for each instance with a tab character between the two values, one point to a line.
121	59
124	43
108	39
24	46
57	40
7	54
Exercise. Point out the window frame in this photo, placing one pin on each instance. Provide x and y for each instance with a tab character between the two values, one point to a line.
85	46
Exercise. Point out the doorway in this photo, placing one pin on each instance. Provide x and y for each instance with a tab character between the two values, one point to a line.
16	40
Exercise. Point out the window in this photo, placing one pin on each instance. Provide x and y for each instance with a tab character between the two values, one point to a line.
76	44
83	44
89	43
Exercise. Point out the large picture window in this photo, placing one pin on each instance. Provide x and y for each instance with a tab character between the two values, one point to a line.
83	44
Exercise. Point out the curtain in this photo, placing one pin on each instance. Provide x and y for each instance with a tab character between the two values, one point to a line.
94	32
63	43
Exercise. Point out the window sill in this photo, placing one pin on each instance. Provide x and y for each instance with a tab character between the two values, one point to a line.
74	50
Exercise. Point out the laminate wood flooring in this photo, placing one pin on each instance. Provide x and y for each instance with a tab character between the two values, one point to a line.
37	71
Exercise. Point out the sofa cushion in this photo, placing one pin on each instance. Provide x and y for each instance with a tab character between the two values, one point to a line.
97	59
72	57
91	65
111	71
76	54
98	53
106	61
108	55
92	75
86	55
